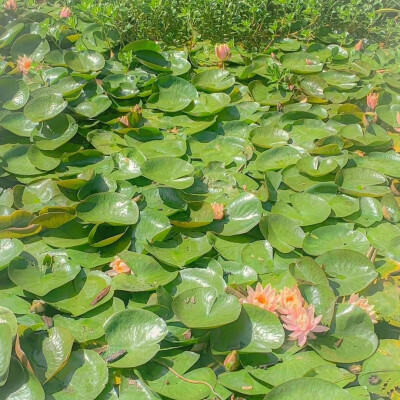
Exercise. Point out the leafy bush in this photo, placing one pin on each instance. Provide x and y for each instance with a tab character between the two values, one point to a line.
175	225
251	22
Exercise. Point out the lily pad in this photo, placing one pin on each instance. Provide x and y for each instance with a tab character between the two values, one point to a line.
138	333
204	308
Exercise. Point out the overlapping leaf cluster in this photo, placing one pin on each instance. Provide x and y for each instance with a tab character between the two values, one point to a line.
108	151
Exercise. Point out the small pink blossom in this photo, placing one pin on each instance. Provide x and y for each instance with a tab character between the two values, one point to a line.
360	153
24	64
223	52
372	101
303	324
398	121
118	267
266	298
290	301
124	120
65	12
218	210
359	46
11	5
362	302
309	62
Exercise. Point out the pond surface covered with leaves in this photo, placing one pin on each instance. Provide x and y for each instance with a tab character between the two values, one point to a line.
174	227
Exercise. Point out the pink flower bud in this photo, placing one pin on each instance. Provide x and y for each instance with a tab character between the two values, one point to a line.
124	120
11	5
65	12
372	100
218	210
231	362
359	46
223	52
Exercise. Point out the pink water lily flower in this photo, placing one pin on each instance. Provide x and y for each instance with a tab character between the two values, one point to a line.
372	101
65	12
11	5
223	52
118	267
266	298
24	64
362	302
303	324
290	301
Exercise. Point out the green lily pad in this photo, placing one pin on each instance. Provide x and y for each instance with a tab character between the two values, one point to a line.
174	94
335	237
84	61
147	273
204	308
14	93
138	332
72	382
22	384
42	276
31	45
348	271
302	63
277	158
181	250
300	210
317	388
255	331
6	341
112	208
350	339
362	182
242	213
46	351
89	326
213	80
381	371
9	249
44	107
81	295
178	172
282	232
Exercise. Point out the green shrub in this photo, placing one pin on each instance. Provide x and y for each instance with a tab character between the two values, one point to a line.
251	22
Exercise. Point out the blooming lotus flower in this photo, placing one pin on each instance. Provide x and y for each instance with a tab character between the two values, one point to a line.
65	12
11	5
290	301
266	298
303	324
359	46
362	302
223	52
372	100
124	120
218	210
24	64
118	267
